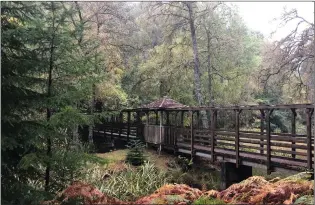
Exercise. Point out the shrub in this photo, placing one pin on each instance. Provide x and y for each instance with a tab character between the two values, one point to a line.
135	156
184	163
133	183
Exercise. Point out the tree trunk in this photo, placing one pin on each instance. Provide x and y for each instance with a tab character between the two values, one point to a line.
51	65
98	24
210	88
198	93
314	92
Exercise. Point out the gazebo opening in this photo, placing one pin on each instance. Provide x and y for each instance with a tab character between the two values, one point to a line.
159	131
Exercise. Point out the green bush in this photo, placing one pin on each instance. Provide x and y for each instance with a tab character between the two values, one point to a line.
181	171
184	163
136	156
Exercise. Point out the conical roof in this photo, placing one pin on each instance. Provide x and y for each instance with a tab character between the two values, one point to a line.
164	102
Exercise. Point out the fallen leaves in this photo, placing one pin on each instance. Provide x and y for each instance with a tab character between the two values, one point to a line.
254	190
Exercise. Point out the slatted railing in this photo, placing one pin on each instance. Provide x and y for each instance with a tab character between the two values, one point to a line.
264	149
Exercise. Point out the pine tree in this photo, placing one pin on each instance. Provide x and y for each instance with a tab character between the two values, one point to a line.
46	78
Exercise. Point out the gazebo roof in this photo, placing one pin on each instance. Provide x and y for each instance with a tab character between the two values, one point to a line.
164	102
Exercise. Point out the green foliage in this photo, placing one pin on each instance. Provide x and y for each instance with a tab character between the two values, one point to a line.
37	45
197	176
130	184
184	163
66	165
135	155
207	200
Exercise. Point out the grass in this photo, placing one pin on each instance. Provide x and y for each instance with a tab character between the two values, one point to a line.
128	184
114	156
160	161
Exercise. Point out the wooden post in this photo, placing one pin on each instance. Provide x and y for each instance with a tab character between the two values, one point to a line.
112	127
262	116
198	119
213	125
269	112
167	128
182	118
237	136
104	130
174	130
175	118
120	123
161	125
156	118
138	123
128	125
192	133
146	133
293	129
309	112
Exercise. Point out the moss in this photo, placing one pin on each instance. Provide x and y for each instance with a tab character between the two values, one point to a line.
300	177
207	200
304	200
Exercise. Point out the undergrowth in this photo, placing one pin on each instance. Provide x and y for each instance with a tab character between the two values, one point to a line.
129	184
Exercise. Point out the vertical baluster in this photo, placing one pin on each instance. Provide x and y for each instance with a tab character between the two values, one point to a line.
269	112
213	126
237	136
128	125
192	133
262	117
309	112
293	129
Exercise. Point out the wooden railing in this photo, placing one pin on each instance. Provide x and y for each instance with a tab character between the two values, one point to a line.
262	149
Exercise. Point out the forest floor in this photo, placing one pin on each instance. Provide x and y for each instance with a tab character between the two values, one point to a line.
156	183
160	161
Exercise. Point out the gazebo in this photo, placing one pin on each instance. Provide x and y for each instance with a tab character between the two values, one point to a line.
155	134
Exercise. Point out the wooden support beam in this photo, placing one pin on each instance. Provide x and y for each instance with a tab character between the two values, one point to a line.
138	124
262	118
146	130
237	136
182	118
213	126
156	117
175	119
198	120
121	119
147	121
192	133
128	125
309	113
269	112
112	127
104	129
293	129
166	128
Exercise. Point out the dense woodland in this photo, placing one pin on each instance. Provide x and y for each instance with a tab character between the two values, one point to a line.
60	59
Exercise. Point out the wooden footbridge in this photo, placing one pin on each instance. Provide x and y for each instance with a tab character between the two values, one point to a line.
183	130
